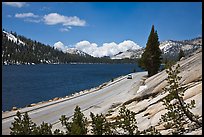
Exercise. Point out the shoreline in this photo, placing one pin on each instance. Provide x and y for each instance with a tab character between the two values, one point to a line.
71	63
55	100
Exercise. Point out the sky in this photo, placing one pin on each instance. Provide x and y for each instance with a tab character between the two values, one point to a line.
102	28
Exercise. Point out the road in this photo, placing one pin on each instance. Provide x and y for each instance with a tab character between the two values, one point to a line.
98	101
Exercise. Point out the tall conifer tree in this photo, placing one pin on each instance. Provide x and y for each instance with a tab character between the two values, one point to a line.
151	58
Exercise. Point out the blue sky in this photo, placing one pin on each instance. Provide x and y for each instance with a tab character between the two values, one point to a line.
102	22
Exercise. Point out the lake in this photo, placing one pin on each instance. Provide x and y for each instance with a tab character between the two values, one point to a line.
27	84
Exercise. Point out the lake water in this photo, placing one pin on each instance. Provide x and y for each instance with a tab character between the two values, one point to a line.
26	84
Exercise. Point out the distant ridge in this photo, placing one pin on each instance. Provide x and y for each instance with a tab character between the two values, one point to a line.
169	48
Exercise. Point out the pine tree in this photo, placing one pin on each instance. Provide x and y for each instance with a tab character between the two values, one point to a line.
151	58
64	121
22	125
178	111
43	129
78	126
127	121
100	126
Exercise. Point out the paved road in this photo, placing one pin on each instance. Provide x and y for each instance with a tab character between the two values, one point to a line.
98	102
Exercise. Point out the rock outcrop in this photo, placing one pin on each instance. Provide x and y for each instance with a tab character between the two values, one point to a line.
147	103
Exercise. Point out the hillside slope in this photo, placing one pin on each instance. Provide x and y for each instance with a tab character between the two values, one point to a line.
147	104
17	49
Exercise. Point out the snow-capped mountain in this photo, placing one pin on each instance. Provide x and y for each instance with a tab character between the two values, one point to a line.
172	46
195	41
131	54
76	51
166	46
13	38
169	48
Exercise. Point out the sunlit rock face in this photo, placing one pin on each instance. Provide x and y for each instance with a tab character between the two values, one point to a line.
147	104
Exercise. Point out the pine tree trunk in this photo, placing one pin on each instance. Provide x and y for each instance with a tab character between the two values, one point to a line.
189	114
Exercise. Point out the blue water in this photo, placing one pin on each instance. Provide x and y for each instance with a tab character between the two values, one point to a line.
26	84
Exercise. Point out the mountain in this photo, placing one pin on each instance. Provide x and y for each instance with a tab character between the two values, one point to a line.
131	54
76	52
170	49
17	49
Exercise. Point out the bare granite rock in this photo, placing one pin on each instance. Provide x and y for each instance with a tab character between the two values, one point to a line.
149	107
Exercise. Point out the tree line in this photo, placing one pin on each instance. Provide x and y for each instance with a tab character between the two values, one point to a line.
38	53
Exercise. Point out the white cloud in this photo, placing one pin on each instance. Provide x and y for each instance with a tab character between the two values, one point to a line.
15	4
87	47
60	46
128	44
107	49
52	19
55	18
65	29
25	15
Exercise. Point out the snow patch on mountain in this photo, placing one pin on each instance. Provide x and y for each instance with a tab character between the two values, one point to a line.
75	51
171	46
131	54
167	45
60	46
13	38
